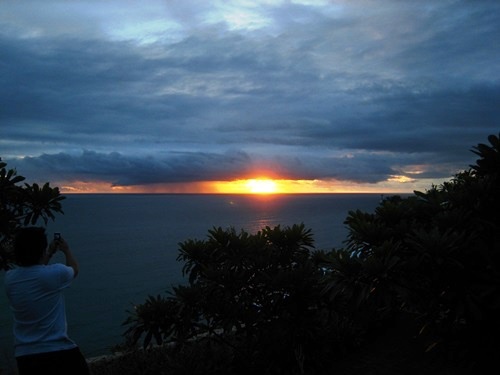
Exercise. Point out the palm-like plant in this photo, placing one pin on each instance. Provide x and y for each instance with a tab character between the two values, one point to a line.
22	205
436	254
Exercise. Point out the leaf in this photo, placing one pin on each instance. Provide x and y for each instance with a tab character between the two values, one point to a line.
431	346
147	339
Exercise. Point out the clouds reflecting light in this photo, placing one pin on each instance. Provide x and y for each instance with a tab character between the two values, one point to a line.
385	96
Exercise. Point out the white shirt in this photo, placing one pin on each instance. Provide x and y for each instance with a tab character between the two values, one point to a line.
36	299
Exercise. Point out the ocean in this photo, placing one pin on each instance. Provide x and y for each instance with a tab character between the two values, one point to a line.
127	246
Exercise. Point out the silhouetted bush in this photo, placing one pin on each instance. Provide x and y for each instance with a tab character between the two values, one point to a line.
435	255
270	303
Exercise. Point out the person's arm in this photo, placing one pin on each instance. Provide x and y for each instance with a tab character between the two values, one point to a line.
63	246
71	261
70	258
49	253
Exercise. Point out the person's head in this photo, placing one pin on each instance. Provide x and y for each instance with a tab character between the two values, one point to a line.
29	246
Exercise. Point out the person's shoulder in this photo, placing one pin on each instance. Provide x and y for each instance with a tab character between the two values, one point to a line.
20	272
61	269
16	270
57	267
10	273
60	272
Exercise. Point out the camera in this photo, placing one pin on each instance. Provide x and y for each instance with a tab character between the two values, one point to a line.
57	236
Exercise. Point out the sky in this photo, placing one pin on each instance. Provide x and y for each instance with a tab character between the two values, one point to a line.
205	96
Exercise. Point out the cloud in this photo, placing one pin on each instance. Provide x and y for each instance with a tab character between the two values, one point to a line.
325	90
174	167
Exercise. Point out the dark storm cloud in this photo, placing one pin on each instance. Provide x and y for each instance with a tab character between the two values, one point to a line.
354	91
128	170
122	169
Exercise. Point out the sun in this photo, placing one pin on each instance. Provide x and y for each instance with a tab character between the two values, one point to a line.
261	186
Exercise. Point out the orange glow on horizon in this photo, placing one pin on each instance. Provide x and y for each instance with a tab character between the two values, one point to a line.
256	186
267	186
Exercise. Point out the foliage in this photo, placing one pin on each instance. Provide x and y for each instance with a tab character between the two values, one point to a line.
435	254
255	295
193	358
273	304
22	205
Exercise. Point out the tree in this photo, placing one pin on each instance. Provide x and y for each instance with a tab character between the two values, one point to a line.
22	205
436	255
257	295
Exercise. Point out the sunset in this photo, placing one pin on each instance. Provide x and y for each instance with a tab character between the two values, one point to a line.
264	186
249	186
175	97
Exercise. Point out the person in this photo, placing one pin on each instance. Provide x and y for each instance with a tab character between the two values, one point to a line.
35	293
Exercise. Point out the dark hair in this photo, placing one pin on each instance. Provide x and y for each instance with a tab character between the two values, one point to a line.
29	245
